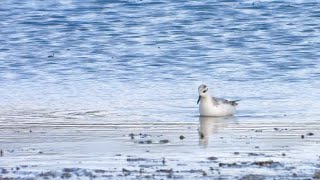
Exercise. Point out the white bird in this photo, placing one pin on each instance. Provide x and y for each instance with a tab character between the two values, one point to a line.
212	106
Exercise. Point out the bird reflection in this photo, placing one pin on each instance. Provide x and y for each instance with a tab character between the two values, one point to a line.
210	125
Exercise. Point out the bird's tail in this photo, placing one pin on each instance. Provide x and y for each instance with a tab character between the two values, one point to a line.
235	102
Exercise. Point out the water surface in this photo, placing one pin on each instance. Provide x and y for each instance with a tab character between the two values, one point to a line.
133	67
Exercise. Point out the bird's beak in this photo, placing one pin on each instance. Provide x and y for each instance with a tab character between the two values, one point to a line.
199	99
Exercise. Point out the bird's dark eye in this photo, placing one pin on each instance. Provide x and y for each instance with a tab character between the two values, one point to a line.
204	91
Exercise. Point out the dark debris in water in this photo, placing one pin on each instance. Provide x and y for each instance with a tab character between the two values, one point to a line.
255	154
269	163
70	169
310	134
282	129
144	135
131	135
165	171
200	171
140	135
144	142
212	158
136	159
229	165
181	137
164	141
100	171
125	170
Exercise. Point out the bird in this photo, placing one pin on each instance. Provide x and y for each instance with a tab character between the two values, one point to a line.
213	106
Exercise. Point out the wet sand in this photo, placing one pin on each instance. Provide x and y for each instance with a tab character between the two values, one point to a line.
227	148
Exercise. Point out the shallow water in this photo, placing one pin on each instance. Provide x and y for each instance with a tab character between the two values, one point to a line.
131	67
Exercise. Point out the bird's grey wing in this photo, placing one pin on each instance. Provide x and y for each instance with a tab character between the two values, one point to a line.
217	101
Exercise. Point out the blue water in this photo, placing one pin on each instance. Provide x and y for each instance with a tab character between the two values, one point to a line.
157	53
142	61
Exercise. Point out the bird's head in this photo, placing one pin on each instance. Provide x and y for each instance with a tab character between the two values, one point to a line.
203	91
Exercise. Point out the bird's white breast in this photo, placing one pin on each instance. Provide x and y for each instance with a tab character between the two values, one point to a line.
207	108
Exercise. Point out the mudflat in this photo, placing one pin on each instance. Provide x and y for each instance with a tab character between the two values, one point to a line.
231	147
